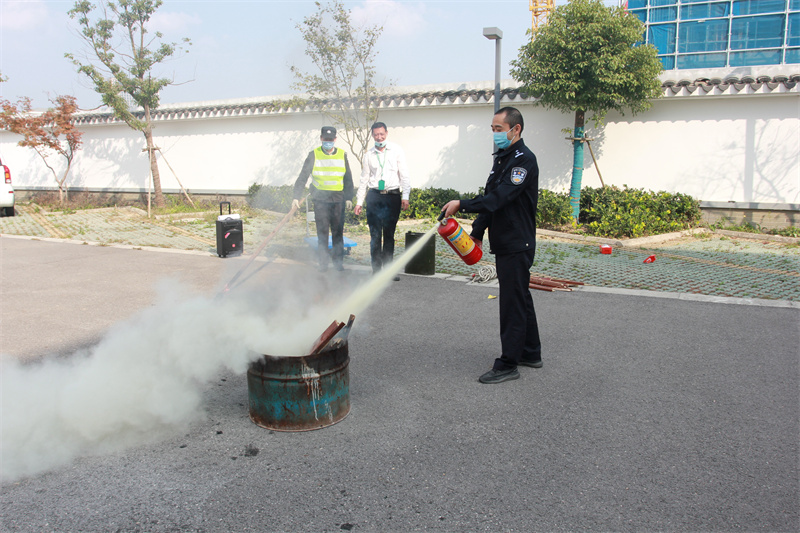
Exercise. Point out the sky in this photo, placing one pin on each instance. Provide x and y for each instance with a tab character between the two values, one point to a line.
244	49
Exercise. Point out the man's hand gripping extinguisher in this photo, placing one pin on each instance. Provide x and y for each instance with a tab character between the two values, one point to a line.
458	239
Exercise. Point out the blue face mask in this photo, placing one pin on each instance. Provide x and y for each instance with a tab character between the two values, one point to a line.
380	144
327	145
501	139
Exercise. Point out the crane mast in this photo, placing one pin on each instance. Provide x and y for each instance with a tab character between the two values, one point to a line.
539	11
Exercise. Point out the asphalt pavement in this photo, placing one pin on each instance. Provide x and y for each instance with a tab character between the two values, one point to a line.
653	411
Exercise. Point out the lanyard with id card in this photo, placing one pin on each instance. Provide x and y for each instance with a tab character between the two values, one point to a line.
381	182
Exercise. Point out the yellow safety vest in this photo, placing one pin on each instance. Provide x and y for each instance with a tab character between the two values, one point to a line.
328	172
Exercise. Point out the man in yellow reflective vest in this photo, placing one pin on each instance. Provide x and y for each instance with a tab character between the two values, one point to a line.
331	191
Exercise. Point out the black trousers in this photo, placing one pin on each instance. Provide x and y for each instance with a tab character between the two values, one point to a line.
329	215
383	211
519	330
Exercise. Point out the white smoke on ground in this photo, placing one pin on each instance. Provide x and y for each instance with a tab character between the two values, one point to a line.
144	379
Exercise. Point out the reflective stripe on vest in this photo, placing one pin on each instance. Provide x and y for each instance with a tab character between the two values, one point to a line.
328	173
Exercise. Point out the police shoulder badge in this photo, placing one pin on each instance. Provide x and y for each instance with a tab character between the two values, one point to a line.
518	175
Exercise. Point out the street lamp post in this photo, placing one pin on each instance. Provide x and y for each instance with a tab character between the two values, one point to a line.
495	34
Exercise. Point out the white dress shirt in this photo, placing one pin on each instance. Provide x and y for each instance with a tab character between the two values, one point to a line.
388	165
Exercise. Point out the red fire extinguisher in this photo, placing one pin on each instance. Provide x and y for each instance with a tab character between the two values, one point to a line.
458	239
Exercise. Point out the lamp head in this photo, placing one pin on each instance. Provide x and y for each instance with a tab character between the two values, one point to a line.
493	33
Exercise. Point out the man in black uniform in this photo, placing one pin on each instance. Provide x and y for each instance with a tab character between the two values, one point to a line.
331	190
508	210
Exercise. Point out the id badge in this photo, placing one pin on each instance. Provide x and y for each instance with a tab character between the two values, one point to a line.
381	185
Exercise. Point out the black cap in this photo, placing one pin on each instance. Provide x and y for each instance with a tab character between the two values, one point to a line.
329	133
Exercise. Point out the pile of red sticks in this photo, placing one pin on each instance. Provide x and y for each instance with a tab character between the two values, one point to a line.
552	284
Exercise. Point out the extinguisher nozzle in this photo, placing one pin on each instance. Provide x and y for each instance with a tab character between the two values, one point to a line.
441	216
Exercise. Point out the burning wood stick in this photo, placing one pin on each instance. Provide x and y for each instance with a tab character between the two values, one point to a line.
564	281
552	284
548	283
341	337
326	336
548	288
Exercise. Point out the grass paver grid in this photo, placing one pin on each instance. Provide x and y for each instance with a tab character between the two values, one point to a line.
716	268
775	278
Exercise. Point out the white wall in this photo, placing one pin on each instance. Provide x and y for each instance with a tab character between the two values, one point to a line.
709	148
451	147
744	148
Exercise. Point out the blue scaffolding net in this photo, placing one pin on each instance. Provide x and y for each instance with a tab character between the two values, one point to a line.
721	33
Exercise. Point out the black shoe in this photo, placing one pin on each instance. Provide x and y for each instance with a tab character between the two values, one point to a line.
499	376
532	364
397	278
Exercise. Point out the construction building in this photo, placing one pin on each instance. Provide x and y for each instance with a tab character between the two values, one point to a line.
693	34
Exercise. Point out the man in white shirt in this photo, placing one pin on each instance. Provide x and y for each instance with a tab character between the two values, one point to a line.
386	187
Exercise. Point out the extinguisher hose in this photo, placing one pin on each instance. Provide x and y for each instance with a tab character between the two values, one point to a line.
440	217
485	273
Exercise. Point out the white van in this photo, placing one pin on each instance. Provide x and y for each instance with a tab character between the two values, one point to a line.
6	192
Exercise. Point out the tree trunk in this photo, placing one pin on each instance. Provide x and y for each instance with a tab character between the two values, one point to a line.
577	165
63	192
148	135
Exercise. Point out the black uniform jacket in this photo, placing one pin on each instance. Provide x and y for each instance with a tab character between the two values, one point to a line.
508	205
318	195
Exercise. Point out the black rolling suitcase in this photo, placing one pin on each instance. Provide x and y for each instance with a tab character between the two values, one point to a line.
230	236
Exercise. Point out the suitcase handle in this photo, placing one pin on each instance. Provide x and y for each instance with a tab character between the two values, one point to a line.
220	207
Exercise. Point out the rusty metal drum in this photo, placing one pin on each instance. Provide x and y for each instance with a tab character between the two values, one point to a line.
300	393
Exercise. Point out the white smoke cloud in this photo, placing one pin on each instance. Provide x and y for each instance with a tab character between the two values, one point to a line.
144	379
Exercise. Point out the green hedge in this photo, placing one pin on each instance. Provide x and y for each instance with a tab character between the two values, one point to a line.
614	212
270	197
606	212
427	203
553	210
423	203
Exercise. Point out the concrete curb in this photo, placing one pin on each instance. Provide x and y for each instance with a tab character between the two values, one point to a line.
588	239
692	297
584	239
664	237
758	236
757	302
492	284
627	243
